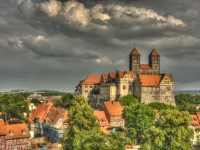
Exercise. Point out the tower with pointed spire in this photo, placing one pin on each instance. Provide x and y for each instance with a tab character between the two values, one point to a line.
152	68
134	61
154	61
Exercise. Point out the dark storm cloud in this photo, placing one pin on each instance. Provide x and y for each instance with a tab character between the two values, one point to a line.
58	43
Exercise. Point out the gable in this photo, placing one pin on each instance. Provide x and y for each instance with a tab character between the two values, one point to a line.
167	80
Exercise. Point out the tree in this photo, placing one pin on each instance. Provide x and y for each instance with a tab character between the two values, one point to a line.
35	101
13	106
138	118
171	131
82	123
188	107
64	101
101	141
128	100
161	106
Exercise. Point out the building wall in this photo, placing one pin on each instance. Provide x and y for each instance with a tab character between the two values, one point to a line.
167	95
16	143
52	134
117	121
86	90
150	94
137	89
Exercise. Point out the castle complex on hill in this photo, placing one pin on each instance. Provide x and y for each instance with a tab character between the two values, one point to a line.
144	81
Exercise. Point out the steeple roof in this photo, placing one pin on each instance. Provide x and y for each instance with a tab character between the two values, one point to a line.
135	52
154	53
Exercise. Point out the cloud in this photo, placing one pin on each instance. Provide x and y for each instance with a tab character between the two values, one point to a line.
77	16
52	8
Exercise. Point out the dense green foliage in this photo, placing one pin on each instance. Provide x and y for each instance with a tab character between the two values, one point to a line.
186	101
161	106
65	101
101	141
183	98
82	123
51	93
128	100
138	117
35	101
188	107
13	106
170	132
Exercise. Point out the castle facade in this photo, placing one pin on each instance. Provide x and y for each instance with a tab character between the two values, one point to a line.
144	81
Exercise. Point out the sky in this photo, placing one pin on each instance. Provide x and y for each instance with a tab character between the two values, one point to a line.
53	44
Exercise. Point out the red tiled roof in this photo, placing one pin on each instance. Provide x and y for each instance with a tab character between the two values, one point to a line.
113	75
145	66
17	130
101	118
135	52
52	98
55	115
2	128
154	53
105	76
170	77
40	112
92	79
195	121
114	108
130	73
122	73
150	80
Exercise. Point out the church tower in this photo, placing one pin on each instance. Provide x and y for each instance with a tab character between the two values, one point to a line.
154	62
134	61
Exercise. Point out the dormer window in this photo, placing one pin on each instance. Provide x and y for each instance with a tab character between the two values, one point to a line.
23	132
11	133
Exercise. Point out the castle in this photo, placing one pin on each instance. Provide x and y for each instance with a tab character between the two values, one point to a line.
144	81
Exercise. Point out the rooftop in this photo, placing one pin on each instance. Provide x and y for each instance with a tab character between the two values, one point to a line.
40	112
150	80
114	108
92	79
101	118
2	128
18	131
56	116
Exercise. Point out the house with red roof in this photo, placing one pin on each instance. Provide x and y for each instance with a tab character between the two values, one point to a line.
36	118
54	124
195	125
113	112
101	118
14	136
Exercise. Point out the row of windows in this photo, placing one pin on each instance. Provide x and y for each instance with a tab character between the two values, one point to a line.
124	87
91	86
14	140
